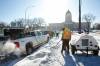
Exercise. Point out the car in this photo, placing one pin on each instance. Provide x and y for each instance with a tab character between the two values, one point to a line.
84	42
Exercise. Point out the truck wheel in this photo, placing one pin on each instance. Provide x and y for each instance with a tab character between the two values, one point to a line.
95	52
73	49
29	48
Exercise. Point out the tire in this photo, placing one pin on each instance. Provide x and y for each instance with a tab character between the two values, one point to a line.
73	49
95	52
29	48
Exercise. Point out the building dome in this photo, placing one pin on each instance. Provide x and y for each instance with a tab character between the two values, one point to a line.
68	16
68	12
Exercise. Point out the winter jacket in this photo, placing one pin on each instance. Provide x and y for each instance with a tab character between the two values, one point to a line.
66	34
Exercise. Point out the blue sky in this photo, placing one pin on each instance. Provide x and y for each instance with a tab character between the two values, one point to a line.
51	10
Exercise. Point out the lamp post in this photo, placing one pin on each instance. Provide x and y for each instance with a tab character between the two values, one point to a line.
26	11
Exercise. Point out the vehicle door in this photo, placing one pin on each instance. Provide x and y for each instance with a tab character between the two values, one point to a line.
38	37
42	39
33	38
44	36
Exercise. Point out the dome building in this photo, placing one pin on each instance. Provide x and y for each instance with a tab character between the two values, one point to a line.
68	17
68	23
68	20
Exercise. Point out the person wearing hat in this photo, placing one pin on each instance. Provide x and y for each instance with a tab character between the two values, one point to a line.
66	37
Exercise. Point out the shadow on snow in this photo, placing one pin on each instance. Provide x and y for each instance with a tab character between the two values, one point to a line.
81	60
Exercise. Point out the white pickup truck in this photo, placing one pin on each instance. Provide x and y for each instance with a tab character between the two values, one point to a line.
25	41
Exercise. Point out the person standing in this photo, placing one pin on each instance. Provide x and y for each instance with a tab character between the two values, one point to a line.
66	37
57	34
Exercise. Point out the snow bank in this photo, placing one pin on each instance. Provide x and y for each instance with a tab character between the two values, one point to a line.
45	56
8	47
17	52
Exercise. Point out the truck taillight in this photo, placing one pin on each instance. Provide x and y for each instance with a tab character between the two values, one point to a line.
17	44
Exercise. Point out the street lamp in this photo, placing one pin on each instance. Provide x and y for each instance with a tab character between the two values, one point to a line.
26	11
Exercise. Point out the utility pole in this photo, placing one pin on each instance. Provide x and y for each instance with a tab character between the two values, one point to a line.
26	12
79	16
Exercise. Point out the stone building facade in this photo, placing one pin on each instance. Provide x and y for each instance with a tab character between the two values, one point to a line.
68	23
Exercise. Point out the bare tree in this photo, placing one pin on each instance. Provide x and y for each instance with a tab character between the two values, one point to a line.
38	23
31	24
2	25
17	23
88	18
41	21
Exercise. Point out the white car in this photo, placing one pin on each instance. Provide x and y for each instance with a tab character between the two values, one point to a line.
84	42
26	41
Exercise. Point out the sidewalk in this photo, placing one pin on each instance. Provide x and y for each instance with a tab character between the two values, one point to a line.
48	55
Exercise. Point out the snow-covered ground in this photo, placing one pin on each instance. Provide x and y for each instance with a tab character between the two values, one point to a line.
50	55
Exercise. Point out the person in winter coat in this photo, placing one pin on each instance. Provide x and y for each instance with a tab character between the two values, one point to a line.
66	37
